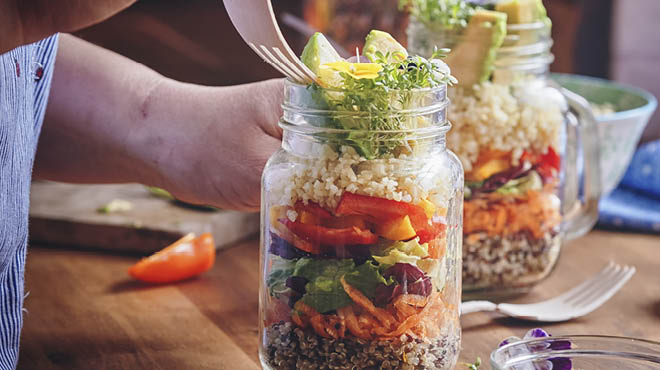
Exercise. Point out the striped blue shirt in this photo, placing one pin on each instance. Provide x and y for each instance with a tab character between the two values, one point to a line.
25	76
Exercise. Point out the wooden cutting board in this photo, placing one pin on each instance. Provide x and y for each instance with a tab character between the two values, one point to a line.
66	214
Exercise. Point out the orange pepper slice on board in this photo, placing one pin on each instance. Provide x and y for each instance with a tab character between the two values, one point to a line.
185	258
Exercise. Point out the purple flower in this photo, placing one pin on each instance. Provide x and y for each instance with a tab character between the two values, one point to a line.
509	340
555	363
536	333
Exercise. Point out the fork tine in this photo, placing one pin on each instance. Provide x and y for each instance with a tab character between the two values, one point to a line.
606	295
294	73
594	284
568	295
265	59
607	286
602	285
295	64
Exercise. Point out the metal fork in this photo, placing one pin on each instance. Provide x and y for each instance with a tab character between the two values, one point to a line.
255	21
579	301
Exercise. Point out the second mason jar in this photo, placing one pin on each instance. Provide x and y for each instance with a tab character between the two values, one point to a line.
521	141
361	238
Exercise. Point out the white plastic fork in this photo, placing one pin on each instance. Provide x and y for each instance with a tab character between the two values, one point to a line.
577	302
256	23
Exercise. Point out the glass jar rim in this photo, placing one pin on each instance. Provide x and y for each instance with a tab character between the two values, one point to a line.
415	133
290	82
599	346
301	109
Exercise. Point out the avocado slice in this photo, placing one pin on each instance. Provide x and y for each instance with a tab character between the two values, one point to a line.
385	43
522	11
471	61
318	52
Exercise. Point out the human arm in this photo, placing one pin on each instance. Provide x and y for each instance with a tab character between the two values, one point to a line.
110	119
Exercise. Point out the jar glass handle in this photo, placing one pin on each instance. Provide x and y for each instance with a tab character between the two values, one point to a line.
581	210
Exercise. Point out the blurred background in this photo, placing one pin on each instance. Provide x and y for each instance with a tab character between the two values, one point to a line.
194	40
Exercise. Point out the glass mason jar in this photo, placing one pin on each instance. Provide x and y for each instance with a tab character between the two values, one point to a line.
522	140
361	238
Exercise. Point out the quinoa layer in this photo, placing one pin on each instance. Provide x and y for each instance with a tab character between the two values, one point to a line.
512	118
289	348
514	261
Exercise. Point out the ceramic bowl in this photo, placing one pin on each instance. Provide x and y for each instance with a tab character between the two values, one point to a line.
619	132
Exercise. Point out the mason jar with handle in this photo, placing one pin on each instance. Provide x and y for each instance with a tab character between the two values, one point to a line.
530	156
361	237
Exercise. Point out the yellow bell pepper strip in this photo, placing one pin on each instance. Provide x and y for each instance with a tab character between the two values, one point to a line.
355	70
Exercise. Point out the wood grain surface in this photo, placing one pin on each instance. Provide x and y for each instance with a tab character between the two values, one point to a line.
83	312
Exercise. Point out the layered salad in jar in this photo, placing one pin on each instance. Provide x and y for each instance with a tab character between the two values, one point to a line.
360	236
507	129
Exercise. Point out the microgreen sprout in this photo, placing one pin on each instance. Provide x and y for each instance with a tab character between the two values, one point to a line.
382	97
473	366
446	13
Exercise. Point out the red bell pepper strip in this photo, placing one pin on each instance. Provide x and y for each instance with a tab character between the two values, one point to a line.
298	242
377	208
551	159
548	160
381	209
313	208
332	237
428	232
547	165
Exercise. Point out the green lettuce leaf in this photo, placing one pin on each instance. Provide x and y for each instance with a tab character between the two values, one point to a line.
280	270
367	278
324	291
520	186
400	252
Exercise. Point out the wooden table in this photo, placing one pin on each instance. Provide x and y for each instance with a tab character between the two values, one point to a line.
83	312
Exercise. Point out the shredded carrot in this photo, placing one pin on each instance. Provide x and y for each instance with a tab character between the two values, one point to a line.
360	299
438	247
498	215
352	323
409	323
298	320
319	326
413	300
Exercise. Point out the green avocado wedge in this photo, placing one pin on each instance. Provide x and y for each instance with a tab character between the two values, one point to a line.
471	61
318	52
522	11
379	41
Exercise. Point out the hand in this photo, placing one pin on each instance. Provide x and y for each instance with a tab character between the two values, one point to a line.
111	120
215	153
